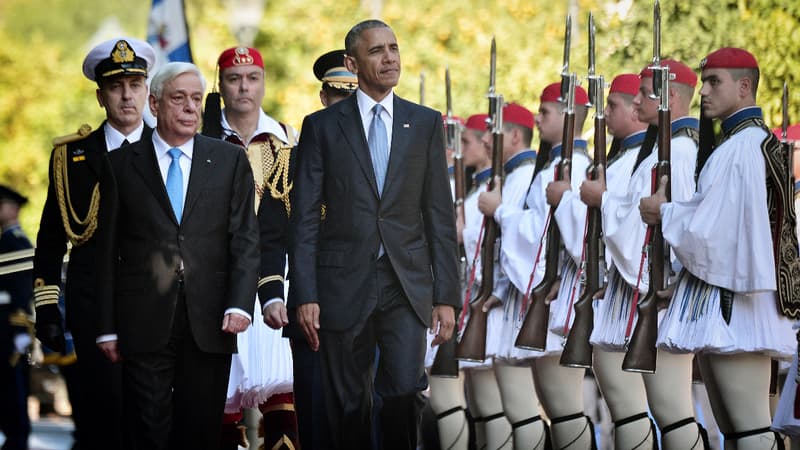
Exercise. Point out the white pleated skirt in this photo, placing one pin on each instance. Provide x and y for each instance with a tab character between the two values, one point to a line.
611	314
562	312
693	322
262	368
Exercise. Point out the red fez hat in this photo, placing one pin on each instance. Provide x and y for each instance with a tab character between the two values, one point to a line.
477	122
553	92
729	58
517	114
626	83
683	74
792	132
240	56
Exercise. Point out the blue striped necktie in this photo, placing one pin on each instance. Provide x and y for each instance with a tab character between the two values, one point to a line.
175	183
378	143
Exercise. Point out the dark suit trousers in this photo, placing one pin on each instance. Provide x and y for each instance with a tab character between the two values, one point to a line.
348	367
175	397
309	400
98	394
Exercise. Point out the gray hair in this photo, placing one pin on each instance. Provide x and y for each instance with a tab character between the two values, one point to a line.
169	72
355	33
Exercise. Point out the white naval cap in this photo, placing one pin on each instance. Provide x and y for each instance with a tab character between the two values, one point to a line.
119	56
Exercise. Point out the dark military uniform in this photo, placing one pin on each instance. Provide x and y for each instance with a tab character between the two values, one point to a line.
79	171
15	310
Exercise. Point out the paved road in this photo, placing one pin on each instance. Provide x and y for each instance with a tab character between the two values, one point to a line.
49	434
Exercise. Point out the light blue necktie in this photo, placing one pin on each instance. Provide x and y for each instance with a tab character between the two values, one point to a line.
175	183
378	146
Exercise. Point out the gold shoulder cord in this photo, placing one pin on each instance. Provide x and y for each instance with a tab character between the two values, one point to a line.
61	180
276	171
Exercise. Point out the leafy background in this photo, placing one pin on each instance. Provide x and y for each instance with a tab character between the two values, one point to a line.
43	93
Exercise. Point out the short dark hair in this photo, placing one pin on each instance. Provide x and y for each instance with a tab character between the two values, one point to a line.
527	133
751	73
355	33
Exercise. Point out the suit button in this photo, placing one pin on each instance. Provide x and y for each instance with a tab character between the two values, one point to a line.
180	237
380	219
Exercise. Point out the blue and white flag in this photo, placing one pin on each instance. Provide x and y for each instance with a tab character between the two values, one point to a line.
168	33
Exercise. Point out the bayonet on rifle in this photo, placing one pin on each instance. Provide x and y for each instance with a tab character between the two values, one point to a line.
565	59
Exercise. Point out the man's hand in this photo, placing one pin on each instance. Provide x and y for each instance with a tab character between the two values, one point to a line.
110	349
491	302
275	315
592	190
555	190
48	327
650	207
443	320
489	201
460	225
235	323
308	319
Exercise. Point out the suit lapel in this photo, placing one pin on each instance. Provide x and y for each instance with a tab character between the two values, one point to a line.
401	130
145	164
353	131
202	165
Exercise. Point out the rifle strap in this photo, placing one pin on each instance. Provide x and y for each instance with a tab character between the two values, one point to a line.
471	281
527	294
743	434
578	276
524	422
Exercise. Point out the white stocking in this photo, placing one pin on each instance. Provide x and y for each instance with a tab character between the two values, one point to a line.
669	394
561	393
626	397
447	394
738	387
521	405
487	404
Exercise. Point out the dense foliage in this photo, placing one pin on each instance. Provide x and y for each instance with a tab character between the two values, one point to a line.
44	93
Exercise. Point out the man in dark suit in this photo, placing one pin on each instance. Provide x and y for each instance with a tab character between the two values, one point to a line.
181	245
380	266
78	172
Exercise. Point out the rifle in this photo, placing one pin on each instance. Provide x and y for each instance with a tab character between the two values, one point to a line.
472	346
445	363
533	334
577	349
641	349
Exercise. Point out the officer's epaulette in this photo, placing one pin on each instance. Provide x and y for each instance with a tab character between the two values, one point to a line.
82	132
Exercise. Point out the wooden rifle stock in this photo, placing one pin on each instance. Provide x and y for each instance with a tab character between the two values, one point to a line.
577	349
472	346
641	353
533	334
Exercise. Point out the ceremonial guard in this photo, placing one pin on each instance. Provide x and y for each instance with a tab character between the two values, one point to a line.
669	388
15	334
735	240
511	365
623	392
261	373
78	173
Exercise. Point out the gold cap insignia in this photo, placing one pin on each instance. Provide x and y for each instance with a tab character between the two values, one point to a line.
122	53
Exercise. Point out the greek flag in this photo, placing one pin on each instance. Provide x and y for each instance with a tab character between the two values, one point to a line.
168	33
